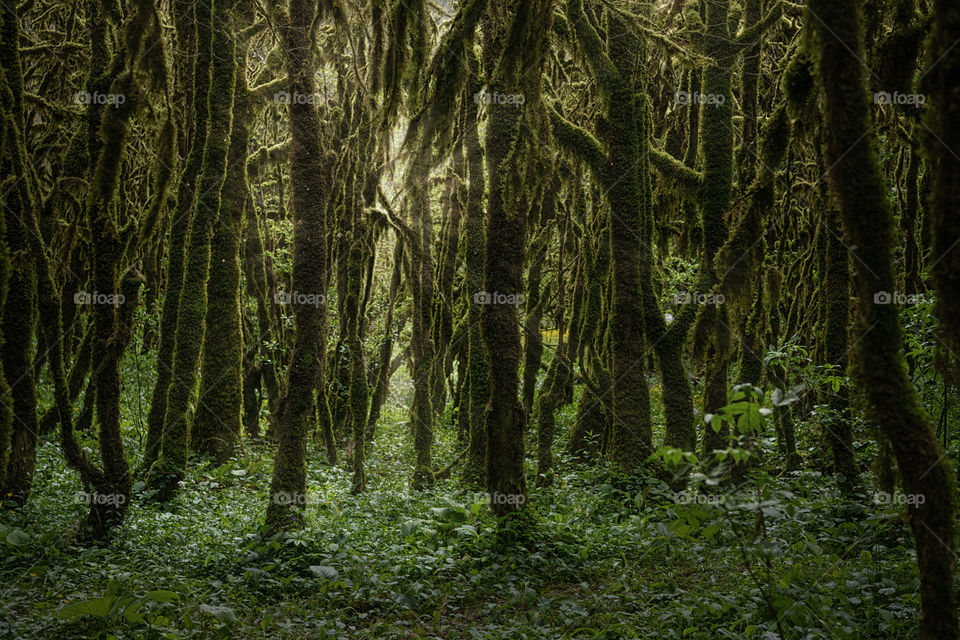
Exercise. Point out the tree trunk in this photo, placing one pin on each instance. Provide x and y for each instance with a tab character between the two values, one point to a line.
878	363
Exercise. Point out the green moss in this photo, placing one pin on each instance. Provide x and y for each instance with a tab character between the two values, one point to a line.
192	308
180	218
877	361
309	177
478	386
217	424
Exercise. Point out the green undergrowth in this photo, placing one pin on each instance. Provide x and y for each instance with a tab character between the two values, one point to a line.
784	558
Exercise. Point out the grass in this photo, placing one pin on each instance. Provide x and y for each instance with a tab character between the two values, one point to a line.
786	558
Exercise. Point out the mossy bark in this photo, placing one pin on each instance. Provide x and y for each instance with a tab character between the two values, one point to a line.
945	189
269	337
505	243
198	35
309	177
448	250
473	412
836	326
19	327
171	466
422	346
878	363
381	386
217	425
359	392
110	243
18	409
535	298
615	67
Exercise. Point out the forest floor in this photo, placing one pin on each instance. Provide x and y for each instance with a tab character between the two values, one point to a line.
785	559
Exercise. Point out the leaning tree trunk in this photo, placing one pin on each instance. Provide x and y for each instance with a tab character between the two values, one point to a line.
861	193
944	146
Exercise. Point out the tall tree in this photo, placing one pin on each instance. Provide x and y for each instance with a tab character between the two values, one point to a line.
309	179
878	363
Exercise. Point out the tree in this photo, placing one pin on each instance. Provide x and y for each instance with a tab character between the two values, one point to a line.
310	182
857	185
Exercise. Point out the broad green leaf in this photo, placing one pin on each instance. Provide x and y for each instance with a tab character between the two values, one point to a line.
99	607
323	571
163	596
225	615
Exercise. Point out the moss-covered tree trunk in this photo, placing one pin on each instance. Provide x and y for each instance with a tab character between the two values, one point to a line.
19	330
448	249
506	240
473	411
422	346
309	179
535	297
171	466
217	425
110	231
716	148
18	418
615	67
836	327
359	392
383	371
258	285
878	363
193	22
943	151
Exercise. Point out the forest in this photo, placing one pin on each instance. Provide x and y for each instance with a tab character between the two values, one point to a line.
479	319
